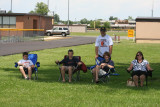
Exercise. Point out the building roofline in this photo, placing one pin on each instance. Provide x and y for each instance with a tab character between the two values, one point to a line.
148	19
22	14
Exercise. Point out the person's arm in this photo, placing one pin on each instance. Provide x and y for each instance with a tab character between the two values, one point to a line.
96	47
149	68
31	64
130	67
110	49
96	51
20	63
104	64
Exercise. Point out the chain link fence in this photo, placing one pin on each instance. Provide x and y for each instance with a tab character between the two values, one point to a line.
21	35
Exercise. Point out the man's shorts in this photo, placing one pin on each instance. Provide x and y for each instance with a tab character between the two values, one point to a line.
139	73
67	68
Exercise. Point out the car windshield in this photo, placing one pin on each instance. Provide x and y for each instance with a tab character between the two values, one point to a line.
55	28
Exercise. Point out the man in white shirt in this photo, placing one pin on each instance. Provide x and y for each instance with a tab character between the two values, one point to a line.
103	43
26	65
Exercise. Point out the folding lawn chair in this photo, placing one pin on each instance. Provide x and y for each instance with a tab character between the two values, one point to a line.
149	73
33	58
76	71
106	76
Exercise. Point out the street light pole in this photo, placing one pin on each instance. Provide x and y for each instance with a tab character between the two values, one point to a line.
68	13
152	7
11	5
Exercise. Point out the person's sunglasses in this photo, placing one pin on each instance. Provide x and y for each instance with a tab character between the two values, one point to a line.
138	55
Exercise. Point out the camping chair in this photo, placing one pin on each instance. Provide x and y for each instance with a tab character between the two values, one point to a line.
103	78
33	58
149	73
76	71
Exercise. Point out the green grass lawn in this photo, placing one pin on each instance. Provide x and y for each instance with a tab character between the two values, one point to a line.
96	33
48	92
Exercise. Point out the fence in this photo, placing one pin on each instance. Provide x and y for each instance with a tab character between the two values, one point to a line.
21	35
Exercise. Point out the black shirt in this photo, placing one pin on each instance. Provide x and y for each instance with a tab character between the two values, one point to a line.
70	62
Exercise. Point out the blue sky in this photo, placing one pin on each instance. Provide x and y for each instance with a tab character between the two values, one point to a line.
90	9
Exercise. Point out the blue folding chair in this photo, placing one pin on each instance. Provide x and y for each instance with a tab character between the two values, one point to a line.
33	58
106	76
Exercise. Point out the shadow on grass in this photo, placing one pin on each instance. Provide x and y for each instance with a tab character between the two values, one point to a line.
50	74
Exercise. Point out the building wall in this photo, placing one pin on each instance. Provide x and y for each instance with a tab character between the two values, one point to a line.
74	28
147	32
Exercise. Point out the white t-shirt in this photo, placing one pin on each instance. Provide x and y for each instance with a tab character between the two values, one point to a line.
103	44
26	63
140	66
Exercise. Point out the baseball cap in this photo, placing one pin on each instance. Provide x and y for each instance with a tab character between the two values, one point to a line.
103	29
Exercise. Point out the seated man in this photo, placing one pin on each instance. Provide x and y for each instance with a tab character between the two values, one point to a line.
69	65
26	65
105	65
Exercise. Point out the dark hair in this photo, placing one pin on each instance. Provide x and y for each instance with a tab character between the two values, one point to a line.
70	50
139	52
106	54
103	29
25	53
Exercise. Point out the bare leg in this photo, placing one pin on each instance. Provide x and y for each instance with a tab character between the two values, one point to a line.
63	73
22	71
97	71
30	72
142	78
70	70
94	74
135	79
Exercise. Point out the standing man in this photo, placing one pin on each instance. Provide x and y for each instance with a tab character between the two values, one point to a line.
103	43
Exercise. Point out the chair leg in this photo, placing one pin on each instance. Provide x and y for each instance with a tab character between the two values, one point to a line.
78	74
146	80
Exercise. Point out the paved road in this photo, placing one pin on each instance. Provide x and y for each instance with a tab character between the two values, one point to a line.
14	48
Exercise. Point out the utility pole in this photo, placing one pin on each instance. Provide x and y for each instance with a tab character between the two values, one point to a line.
68	13
152	7
11	5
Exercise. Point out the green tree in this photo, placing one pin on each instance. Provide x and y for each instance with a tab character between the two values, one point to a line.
56	18
84	21
113	18
130	18
41	8
97	24
10	11
107	25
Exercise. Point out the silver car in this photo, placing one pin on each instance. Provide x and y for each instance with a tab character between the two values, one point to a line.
58	31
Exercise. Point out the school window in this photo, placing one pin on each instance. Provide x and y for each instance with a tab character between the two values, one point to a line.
7	22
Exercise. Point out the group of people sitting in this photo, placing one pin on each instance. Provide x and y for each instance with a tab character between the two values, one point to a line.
103	50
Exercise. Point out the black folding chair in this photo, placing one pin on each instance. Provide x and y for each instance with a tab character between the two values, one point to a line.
76	71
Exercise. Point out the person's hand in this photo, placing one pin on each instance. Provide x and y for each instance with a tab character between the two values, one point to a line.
96	56
57	62
79	63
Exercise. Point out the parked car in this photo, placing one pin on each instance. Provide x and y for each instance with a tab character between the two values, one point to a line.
58	31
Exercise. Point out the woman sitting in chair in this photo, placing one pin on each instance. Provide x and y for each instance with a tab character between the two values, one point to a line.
140	66
105	65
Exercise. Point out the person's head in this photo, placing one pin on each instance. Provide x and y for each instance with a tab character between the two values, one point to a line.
106	56
139	56
103	31
25	55
70	53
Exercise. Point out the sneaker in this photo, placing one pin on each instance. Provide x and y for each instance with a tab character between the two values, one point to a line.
26	78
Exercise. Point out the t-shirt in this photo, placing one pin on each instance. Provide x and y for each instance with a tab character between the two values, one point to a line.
27	63
103	44
140	66
110	62
70	62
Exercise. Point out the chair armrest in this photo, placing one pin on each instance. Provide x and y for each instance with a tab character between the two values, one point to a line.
38	64
16	64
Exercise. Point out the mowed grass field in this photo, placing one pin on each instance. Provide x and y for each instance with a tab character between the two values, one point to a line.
47	91
96	33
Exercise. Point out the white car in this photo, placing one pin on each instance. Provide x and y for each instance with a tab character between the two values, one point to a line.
58	31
